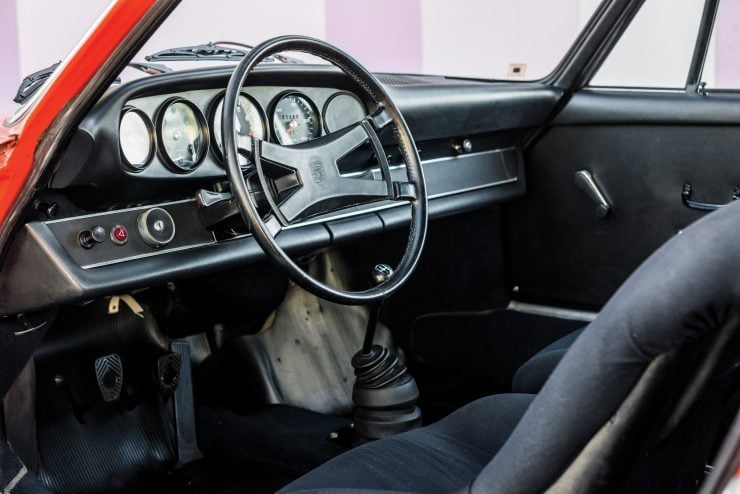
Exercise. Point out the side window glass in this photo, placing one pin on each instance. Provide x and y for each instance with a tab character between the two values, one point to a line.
722	65
656	49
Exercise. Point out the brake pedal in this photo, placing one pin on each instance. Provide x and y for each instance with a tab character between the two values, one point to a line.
109	373
187	441
169	368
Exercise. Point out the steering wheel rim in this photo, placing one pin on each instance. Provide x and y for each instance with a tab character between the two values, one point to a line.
266	232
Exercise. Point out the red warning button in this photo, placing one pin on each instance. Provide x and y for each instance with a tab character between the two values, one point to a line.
119	235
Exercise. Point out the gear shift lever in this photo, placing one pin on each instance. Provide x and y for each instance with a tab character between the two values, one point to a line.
384	393
378	276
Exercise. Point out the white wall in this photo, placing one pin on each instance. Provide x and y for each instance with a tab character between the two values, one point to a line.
477	38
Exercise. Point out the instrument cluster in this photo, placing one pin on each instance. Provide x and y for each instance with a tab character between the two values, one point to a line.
183	131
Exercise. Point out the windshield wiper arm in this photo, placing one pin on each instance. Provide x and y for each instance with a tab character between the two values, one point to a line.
219	50
208	51
31	83
150	68
277	56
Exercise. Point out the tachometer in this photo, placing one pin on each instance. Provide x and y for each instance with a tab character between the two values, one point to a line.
136	135
182	133
249	123
295	119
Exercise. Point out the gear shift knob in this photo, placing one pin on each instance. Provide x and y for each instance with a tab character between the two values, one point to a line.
380	274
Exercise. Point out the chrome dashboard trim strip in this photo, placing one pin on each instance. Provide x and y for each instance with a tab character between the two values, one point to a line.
116	211
400	204
150	254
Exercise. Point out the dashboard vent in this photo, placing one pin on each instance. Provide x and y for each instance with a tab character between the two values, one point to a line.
400	80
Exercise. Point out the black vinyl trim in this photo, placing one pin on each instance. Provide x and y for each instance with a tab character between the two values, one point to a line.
638	108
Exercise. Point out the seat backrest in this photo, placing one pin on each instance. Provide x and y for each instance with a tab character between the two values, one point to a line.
688	291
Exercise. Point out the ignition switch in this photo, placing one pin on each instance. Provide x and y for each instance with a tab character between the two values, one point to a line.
156	227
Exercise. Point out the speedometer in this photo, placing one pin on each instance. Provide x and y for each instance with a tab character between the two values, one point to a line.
295	119
182	133
248	123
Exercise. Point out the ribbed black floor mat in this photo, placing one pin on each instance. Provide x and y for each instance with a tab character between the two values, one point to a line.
114	450
286	439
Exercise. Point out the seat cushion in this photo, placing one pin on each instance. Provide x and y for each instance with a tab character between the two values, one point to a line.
532	375
441	457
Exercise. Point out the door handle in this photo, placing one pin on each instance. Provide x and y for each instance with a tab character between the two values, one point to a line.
585	181
703	206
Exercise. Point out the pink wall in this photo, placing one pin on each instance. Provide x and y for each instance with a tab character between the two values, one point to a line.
727	70
383	34
9	56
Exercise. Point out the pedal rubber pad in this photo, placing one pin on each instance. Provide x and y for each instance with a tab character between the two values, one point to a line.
168	372
187	439
109	373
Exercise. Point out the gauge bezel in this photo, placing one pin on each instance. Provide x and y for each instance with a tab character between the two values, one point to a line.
314	108
330	99
152	139
202	126
211	118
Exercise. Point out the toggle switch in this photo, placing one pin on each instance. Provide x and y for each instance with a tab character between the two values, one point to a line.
89	238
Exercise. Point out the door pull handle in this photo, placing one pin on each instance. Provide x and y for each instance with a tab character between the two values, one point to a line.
687	191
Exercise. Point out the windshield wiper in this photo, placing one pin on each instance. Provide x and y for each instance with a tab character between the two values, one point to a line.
218	50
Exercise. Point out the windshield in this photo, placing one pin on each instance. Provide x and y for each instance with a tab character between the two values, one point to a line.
488	39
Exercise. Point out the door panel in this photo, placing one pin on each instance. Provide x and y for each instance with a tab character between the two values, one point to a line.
640	149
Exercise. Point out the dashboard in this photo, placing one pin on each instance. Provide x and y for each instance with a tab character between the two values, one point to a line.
140	196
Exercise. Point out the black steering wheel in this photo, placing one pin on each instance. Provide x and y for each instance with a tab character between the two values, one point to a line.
304	180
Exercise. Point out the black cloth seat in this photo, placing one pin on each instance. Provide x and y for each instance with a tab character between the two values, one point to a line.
533	374
682	300
442	457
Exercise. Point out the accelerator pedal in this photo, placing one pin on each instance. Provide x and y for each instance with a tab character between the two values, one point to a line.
187	442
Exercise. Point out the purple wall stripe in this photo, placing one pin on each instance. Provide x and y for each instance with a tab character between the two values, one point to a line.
384	34
9	56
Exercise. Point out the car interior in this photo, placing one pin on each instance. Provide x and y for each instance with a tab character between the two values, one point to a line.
312	278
